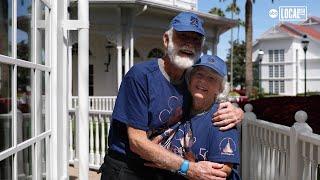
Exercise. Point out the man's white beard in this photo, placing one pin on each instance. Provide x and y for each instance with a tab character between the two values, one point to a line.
180	62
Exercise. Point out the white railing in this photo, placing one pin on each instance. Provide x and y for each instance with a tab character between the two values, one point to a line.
99	124
272	151
96	103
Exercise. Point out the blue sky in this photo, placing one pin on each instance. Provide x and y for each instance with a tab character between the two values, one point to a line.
261	20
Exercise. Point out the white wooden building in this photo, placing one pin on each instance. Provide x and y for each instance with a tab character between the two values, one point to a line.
282	65
119	28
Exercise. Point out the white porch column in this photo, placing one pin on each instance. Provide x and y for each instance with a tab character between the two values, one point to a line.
59	116
131	46
128	21
131	39
119	50
83	82
127	51
69	76
214	48
119	62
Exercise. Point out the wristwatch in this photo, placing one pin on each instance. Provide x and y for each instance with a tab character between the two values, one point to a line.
184	168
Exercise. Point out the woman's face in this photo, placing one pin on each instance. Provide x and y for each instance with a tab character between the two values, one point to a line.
204	86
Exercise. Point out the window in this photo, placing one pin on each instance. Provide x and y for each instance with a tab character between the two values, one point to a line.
91	81
276	71
276	87
282	55
28	41
281	86
270	55
276	55
281	70
271	87
270	71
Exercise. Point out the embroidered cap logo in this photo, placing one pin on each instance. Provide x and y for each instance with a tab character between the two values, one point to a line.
211	61
194	21
176	21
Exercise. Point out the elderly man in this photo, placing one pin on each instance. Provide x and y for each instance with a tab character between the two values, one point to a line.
153	94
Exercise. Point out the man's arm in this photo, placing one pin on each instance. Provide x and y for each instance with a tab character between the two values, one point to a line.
162	158
227	116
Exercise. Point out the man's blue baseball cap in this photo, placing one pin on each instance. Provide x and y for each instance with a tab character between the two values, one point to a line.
213	62
187	21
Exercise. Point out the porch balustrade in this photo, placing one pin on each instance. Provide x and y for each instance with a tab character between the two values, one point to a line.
272	151
99	125
96	103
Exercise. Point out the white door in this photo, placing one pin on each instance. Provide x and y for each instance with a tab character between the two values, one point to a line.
25	77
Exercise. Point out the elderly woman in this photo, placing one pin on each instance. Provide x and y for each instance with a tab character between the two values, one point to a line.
195	138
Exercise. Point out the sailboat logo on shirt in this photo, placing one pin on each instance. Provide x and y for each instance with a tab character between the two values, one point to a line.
227	146
173	112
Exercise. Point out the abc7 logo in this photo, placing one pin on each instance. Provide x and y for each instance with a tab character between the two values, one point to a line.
273	13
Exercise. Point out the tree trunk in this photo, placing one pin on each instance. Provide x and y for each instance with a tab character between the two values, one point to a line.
248	28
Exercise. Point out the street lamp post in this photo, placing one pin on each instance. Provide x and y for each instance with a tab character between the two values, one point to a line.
260	56
305	44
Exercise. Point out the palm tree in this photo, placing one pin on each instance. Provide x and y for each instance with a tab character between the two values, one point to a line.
240	24
233	8
217	11
248	30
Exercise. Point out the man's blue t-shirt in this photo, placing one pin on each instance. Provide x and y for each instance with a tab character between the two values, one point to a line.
200	140
146	101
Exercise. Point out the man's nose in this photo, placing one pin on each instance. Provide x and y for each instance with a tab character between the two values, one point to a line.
188	43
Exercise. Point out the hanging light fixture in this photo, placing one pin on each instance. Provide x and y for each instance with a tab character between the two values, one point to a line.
108	47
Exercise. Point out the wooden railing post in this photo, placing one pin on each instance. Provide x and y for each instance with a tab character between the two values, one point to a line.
245	142
299	127
97	141
71	151
91	157
103	142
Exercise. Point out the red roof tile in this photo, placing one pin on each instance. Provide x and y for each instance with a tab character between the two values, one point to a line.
300	30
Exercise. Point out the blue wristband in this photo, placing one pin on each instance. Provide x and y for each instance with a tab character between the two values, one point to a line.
184	168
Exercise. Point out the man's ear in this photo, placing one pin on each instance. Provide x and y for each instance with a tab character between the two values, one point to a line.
165	38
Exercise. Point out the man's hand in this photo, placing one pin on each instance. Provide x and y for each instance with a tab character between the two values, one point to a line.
204	170
227	116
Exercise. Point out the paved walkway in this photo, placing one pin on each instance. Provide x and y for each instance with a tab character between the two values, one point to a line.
73	174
